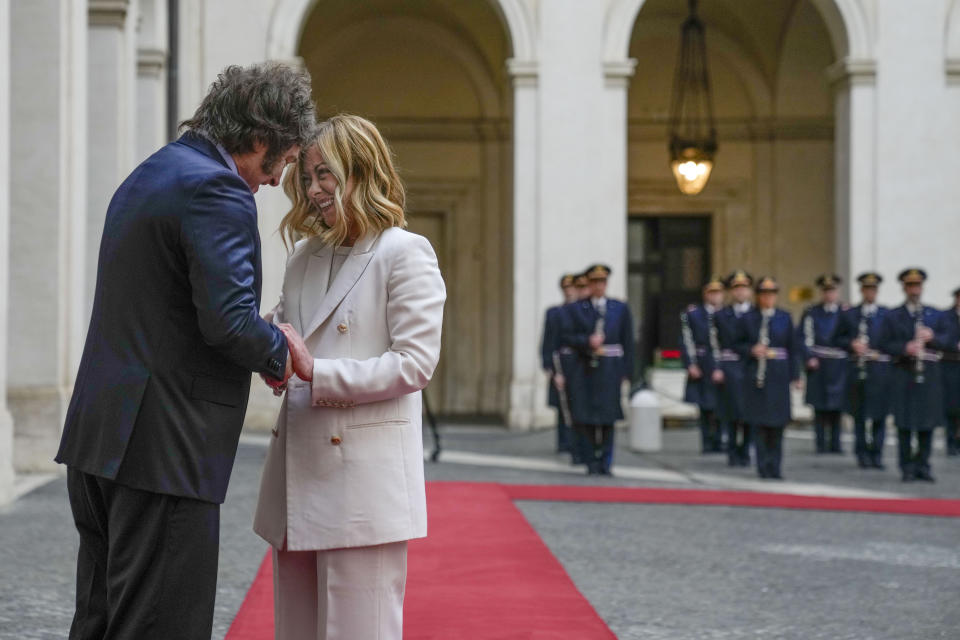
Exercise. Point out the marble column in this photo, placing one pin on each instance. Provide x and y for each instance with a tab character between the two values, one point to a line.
526	380
856	172
6	421
111	103
47	196
151	120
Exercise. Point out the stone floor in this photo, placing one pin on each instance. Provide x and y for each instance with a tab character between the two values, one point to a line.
650	571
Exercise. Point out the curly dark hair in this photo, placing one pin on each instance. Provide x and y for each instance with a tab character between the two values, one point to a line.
268	103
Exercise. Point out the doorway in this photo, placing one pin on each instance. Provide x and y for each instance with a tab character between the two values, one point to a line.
668	262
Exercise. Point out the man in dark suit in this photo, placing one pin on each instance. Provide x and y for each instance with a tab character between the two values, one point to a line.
550	361
826	364
600	331
913	336
152	429
868	372
700	354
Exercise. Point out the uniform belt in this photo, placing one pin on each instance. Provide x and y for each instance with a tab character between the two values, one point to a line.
701	351
567	351
928	356
777	353
729	355
871	356
610	351
828	352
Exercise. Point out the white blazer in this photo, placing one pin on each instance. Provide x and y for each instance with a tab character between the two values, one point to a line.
345	465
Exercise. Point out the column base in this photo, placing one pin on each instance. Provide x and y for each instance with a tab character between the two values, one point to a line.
7	478
38	414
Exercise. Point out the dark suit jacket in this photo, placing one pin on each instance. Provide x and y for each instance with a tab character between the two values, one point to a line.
162	388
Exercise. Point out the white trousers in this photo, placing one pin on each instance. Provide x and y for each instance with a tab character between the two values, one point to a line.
341	594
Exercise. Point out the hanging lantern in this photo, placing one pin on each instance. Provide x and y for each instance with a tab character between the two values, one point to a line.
693	135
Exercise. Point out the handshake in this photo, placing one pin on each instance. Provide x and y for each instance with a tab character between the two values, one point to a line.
299	361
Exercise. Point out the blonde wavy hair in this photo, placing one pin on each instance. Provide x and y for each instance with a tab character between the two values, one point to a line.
352	148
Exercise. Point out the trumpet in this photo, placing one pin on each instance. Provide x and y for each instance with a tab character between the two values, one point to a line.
765	341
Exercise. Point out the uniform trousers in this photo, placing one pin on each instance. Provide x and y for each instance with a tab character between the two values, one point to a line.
868	450
910	462
147	564
711	434
340	594
824	422
769	444
597	443
738	443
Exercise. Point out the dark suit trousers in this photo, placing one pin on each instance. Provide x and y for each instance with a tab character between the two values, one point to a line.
147	565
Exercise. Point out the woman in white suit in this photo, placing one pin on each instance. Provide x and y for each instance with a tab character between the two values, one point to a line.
342	488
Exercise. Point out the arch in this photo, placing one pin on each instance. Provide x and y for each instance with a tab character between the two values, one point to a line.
472	62
757	88
289	17
846	22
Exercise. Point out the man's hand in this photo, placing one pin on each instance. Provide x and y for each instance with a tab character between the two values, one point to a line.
913	348
813	364
925	334
798	384
717	376
559	381
859	347
759	351
694	372
300	358
596	340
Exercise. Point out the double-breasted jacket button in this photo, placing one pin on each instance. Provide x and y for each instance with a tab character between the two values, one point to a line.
335	440
342	328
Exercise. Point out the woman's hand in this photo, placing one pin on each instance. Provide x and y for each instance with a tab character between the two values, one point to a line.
300	357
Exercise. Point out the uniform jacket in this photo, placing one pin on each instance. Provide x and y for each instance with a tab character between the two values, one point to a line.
868	379
163	383
345	465
700	346
594	383
549	344
827	384
916	405
730	396
949	325
768	405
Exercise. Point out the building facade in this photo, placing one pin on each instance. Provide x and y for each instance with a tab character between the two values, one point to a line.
532	135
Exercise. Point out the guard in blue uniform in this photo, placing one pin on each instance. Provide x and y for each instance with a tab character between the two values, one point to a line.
550	361
600	331
950	327
767	343
699	352
729	374
825	363
868	372
916	389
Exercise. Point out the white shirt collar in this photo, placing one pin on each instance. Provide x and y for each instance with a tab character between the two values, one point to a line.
769	312
831	308
868	309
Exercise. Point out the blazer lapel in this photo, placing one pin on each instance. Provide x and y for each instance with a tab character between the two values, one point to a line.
314	285
354	266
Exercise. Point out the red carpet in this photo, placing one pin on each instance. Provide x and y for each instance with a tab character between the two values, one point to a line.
903	506
484	574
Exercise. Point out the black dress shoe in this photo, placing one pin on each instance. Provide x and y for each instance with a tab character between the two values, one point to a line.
925	476
879	465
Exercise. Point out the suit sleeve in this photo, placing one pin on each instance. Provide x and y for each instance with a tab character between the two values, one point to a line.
889	342
846	330
219	236
794	361
626	339
942	333
573	334
415	298
548	341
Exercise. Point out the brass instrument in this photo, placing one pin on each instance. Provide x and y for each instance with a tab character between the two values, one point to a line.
598	330
918	366
864	337
765	342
